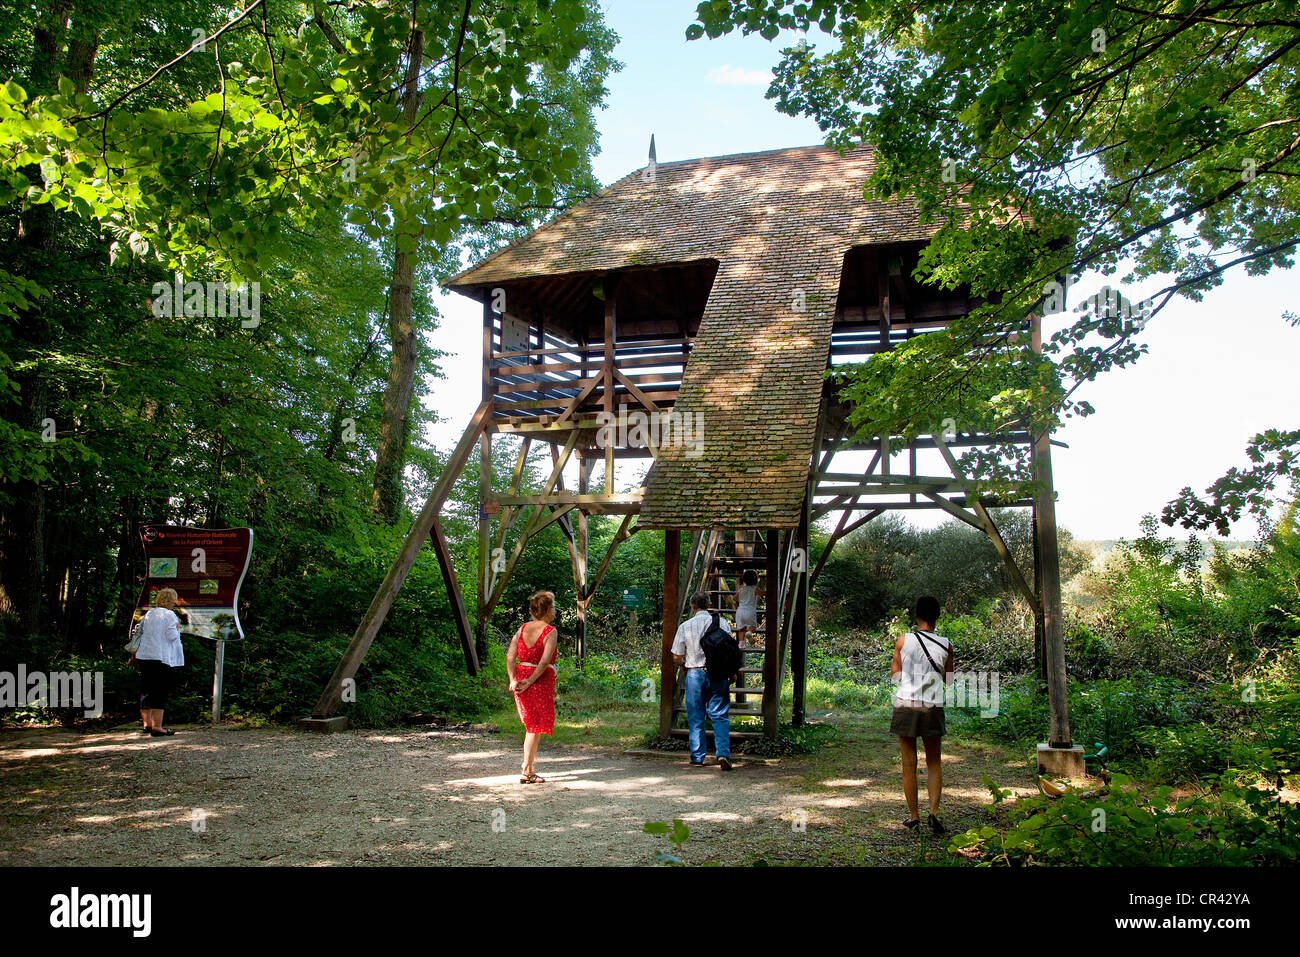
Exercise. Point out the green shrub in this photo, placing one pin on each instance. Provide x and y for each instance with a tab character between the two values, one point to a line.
1132	826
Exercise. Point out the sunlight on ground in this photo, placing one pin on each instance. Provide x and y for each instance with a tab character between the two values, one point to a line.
405	799
712	816
552	776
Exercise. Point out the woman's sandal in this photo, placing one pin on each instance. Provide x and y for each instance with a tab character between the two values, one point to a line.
532	779
912	825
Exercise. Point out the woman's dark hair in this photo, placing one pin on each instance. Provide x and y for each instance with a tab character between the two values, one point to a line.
927	608
750	577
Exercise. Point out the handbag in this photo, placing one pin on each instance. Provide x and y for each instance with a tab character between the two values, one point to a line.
136	634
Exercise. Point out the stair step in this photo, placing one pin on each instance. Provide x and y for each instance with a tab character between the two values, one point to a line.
732	713
735	735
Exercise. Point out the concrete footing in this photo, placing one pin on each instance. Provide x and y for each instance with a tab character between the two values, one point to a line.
1061	762
324	725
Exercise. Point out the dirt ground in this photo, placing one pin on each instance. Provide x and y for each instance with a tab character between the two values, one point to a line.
232	796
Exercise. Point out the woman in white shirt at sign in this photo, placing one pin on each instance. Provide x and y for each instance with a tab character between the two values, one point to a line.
922	667
159	651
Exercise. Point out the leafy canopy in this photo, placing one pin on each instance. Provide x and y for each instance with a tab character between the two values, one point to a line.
1149	140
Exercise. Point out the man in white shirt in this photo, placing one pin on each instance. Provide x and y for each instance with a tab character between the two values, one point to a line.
704	696
922	666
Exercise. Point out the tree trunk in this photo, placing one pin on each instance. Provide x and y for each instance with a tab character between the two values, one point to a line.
394	427
22	522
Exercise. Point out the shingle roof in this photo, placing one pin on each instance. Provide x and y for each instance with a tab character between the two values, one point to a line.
779	223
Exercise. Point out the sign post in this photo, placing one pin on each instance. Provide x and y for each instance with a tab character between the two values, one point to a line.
218	673
205	567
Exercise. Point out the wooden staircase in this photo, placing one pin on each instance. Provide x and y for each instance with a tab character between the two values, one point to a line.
718	559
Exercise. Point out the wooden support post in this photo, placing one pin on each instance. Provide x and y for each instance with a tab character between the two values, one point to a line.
1040	665
799	611
1050	576
579	589
504	516
401	567
607	372
580	580
772	637
882	280
485	557
667	667
463	628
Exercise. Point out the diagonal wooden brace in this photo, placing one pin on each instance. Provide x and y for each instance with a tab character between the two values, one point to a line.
401	567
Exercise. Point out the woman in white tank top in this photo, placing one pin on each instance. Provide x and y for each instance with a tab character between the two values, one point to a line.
920	684
923	662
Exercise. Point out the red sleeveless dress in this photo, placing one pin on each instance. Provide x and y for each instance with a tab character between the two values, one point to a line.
536	705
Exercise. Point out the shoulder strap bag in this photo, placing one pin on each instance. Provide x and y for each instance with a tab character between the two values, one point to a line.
921	639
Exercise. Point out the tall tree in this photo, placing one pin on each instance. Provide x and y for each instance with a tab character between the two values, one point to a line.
1147	140
211	140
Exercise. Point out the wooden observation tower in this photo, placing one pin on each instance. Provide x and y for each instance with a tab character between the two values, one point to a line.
681	322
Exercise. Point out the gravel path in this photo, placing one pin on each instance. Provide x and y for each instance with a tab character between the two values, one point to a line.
277	796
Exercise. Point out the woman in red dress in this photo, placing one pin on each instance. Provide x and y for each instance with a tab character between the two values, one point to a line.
530	662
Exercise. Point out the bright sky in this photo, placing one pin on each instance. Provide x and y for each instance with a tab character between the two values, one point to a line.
1218	371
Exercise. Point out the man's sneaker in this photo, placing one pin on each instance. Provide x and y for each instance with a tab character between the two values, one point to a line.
697	764
936	826
724	763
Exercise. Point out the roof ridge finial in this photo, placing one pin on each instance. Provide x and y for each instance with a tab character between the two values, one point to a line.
648	174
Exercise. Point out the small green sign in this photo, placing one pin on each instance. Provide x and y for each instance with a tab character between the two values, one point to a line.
634	598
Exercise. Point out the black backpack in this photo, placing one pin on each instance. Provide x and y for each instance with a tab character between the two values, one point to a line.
722	658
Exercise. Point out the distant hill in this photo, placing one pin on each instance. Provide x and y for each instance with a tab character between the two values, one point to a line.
1101	547
1106	544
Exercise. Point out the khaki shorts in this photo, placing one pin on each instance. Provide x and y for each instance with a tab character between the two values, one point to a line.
918	722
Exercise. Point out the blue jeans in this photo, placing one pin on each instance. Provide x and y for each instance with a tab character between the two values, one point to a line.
714	699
